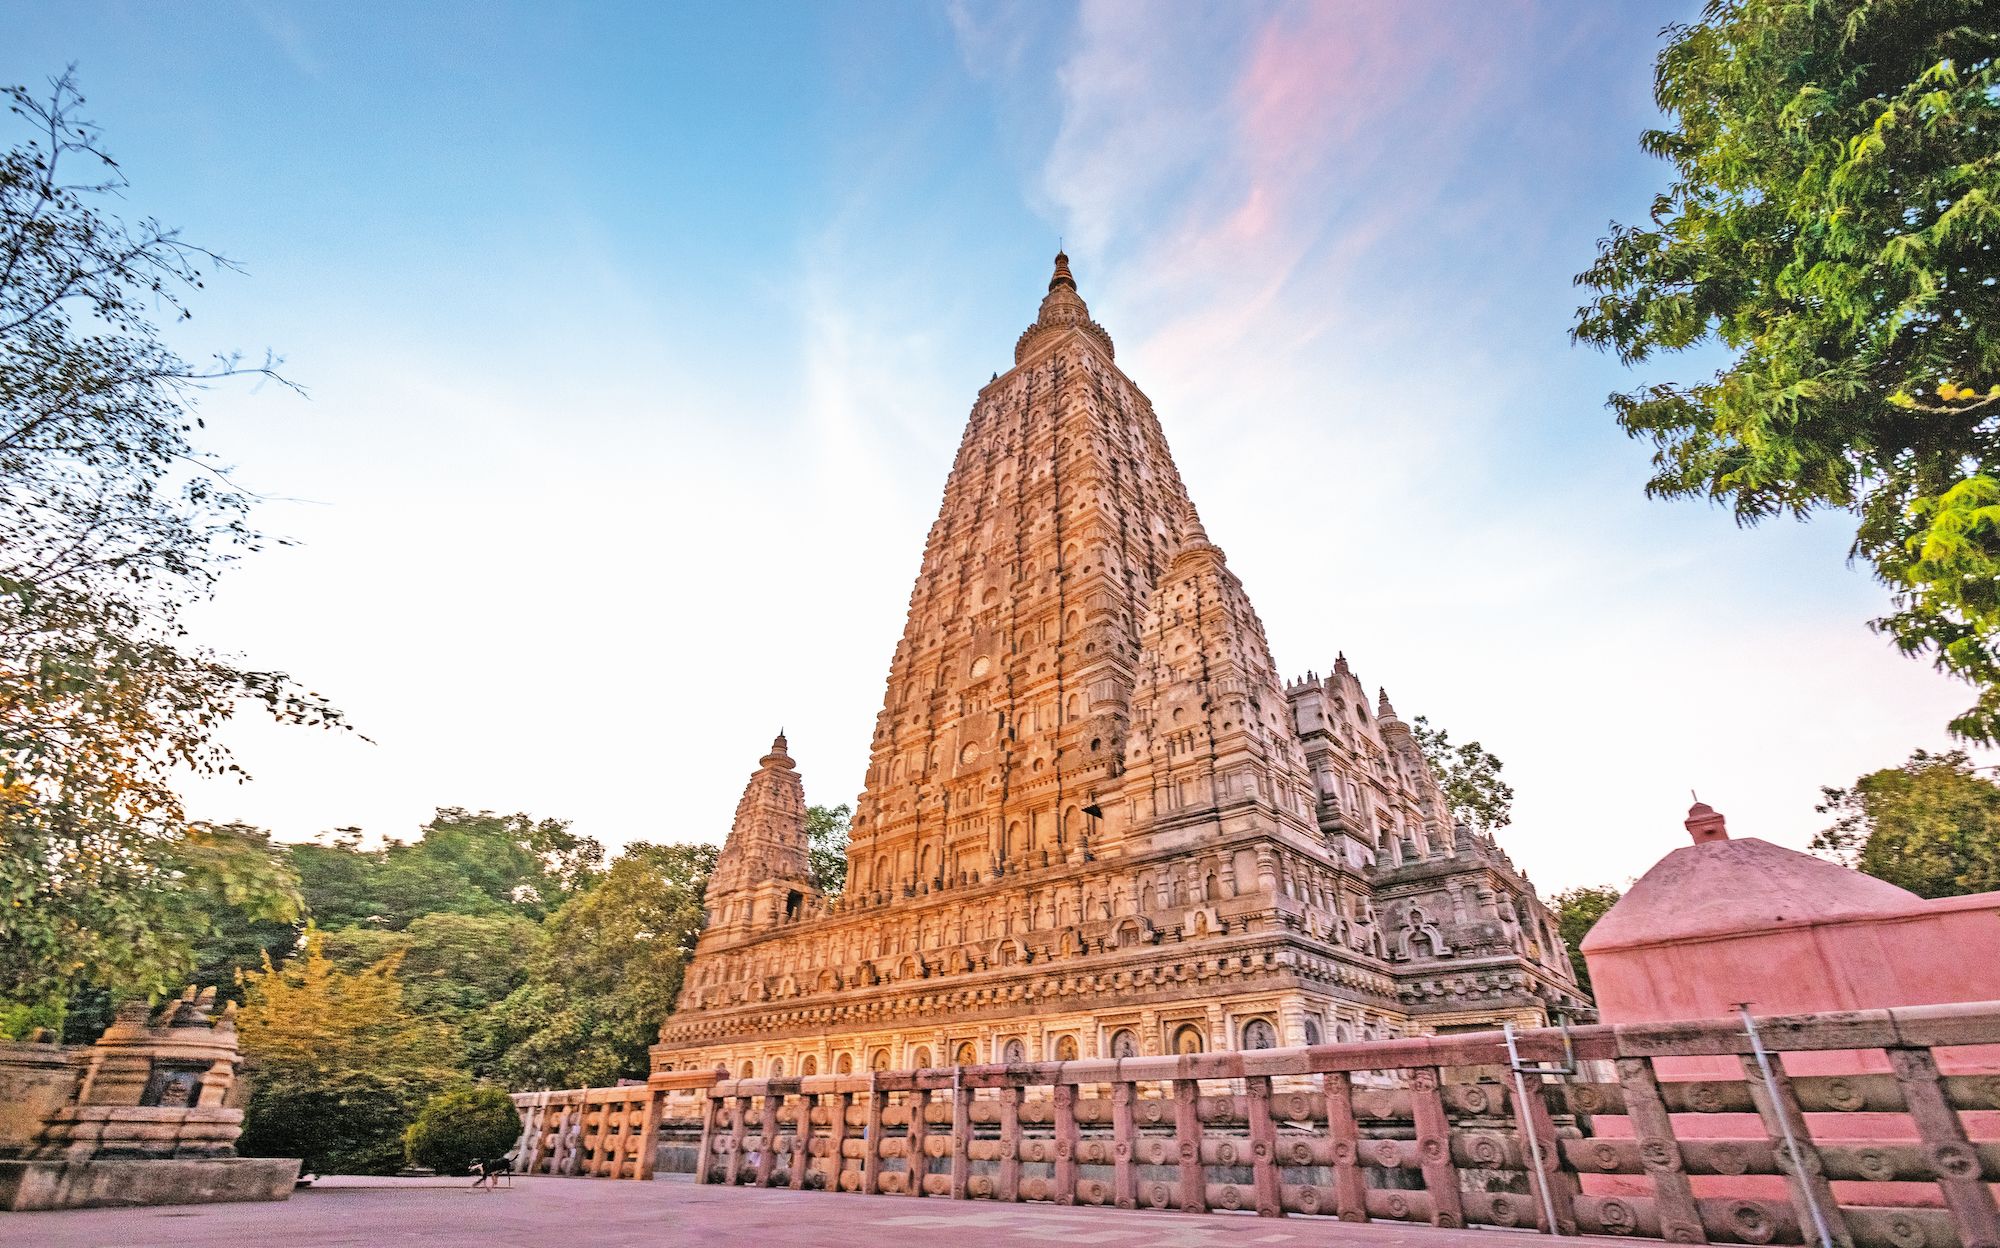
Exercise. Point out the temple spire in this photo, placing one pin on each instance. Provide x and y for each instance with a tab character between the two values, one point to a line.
1062	276
1062	310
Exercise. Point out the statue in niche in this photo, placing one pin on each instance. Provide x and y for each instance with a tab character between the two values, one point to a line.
1510	921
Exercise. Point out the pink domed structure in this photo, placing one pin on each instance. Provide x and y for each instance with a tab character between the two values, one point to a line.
1724	923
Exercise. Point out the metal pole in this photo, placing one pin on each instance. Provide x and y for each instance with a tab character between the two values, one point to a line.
1528	1124
1785	1125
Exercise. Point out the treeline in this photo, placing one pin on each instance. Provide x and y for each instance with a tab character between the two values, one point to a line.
493	949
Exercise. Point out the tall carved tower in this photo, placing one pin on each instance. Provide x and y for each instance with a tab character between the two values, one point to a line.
1071	622
763	875
1095	819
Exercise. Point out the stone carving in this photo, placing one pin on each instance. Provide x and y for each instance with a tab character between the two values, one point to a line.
1091	800
148	1115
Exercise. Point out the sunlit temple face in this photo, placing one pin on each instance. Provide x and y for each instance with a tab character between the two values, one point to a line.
1067	568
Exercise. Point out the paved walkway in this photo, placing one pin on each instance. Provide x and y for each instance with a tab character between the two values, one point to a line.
672	1213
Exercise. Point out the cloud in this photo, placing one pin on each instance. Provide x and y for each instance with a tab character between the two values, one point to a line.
1321	239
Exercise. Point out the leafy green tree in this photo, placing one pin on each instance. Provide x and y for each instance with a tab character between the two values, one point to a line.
338	1064
1470	774
607	972
1931	826
243	902
463	863
461	1127
1577	910
111	523
1833	223
454	969
826	847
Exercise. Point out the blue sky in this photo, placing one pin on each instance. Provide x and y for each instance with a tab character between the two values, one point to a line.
639	339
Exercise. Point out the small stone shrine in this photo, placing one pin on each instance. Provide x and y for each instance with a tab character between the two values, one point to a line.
148	1115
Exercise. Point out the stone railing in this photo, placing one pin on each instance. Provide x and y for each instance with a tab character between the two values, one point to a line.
1529	1130
608	1133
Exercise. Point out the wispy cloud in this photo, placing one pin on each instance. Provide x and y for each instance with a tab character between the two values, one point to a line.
285	33
1296	228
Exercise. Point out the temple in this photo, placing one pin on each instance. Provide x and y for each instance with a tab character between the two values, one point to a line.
1096	822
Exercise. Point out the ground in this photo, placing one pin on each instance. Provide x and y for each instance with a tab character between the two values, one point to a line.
585	1213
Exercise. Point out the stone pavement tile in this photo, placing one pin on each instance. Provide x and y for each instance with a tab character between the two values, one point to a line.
585	1213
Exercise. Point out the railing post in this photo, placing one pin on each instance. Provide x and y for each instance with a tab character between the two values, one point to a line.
803	1106
836	1139
1659	1152
914	1160
1065	1141
530	1152
1124	1138
961	1141
1953	1161
704	1162
1009	1185
1187	1140
649	1134
1434	1148
739	1131
1812	1195
1263	1147
871	1142
1350	1186
1537	1132
767	1139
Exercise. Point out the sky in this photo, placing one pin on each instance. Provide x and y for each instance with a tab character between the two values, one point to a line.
638	341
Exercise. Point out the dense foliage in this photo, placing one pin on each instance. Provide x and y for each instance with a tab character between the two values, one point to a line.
1931	826
1470	774
463	1126
607	970
337	1061
826	847
1577	910
1831	222
111	523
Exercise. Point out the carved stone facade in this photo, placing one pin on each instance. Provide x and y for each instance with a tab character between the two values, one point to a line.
149	1115
1096	822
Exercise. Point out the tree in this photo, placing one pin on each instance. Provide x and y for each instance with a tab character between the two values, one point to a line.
461	1127
338	1065
1470	774
1833	222
242	901
1577	911
454	969
111	523
1931	826
826	847
463	863
607	972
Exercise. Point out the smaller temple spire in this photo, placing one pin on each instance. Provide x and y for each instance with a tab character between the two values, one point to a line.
1382	708
1062	275
1192	532
1194	538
